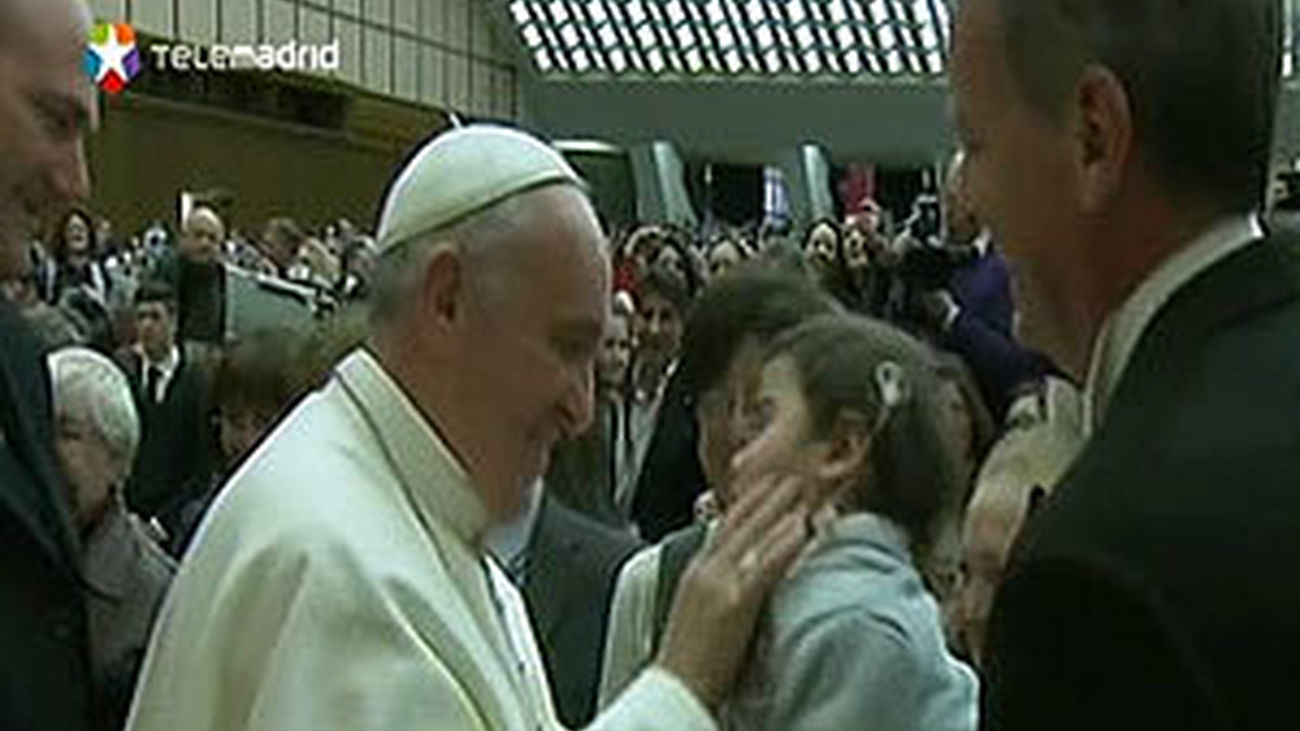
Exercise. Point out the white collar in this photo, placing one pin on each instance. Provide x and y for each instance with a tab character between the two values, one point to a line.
508	541
438	486
167	365
1123	328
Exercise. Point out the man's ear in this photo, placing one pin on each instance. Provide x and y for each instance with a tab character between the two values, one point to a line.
442	290
845	450
1104	133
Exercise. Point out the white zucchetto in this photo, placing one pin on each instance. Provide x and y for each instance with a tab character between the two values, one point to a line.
462	172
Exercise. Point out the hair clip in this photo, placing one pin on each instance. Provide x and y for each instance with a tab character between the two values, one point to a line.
891	383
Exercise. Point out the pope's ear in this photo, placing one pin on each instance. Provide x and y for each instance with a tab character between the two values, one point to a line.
442	287
845	450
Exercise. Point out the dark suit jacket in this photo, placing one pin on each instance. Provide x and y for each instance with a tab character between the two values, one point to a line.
200	296
671	476
983	288
44	645
573	562
1156	588
177	450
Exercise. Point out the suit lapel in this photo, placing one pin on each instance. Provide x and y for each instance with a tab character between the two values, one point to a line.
548	588
1258	277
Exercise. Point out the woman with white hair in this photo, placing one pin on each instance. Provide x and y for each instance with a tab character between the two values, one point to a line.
97	431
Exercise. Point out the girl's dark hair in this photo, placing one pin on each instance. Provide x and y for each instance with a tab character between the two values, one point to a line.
912	475
260	373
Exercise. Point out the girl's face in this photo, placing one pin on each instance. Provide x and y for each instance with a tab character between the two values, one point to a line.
783	442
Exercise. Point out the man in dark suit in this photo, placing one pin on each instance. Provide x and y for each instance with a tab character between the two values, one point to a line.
974	314
176	454
1120	150
572	564
47	103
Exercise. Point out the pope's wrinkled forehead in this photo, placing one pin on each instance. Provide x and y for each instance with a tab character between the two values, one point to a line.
465	171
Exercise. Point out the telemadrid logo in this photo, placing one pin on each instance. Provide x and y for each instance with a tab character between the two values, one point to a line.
112	58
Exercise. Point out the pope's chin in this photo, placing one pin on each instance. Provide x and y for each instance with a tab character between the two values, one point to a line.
511	497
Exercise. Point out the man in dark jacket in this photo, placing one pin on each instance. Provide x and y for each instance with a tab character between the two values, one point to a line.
47	103
172	396
1120	151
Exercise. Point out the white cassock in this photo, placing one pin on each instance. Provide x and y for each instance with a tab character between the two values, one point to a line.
339	584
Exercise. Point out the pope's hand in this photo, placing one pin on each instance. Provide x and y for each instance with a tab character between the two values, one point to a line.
726	584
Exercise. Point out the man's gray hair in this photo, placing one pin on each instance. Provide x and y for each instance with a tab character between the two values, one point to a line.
481	238
91	390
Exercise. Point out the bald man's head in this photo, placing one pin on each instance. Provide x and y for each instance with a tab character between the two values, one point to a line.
47	105
202	236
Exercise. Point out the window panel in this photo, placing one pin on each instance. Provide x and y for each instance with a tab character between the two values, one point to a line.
432	72
153	17
406	15
457	92
406	63
348	33
198	21
315	27
697	37
111	11
238	21
378	60
277	22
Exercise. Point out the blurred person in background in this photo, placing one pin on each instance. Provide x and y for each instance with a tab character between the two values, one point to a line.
724	255
662	305
963	299
196	272
824	248
172	394
73	250
1043	436
96	435
583	471
281	243
258	380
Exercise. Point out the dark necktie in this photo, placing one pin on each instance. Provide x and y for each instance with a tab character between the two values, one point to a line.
152	377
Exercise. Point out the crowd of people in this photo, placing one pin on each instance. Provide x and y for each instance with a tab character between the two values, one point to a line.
495	467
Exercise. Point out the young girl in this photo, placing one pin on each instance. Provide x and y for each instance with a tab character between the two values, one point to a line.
852	639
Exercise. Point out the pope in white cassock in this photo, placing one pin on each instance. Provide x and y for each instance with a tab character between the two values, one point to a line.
340	581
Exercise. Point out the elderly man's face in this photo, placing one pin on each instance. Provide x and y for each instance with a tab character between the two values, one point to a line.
202	238
47	103
528	347
992	523
1019	173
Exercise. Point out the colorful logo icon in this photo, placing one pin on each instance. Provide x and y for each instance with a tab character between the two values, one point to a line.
112	59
